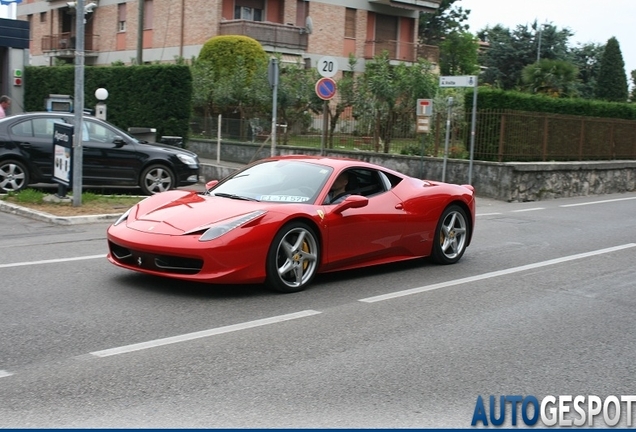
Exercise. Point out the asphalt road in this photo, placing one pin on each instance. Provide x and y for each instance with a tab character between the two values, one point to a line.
542	303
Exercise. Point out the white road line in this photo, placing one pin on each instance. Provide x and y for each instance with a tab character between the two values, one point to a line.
51	261
204	333
4	374
527	210
598	202
487	214
495	274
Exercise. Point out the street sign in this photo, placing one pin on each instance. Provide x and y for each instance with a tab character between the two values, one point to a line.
424	107
423	124
326	88
458	81
62	154
327	66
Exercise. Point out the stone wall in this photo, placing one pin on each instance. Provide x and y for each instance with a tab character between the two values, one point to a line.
511	181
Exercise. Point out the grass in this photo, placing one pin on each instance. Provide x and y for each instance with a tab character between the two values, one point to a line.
91	203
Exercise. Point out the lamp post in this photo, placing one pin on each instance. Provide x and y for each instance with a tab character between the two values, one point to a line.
100	109
541	27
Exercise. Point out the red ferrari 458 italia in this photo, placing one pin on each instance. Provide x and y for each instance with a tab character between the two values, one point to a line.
282	220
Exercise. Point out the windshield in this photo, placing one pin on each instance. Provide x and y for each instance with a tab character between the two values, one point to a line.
276	181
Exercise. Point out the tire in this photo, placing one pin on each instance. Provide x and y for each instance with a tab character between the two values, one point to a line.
292	260
451	236
13	176
155	179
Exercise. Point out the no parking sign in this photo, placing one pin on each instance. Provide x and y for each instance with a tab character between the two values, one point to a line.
326	88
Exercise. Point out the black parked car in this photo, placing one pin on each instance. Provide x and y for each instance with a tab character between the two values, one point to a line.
111	156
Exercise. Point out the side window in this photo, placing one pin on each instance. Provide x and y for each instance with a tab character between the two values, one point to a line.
43	127
97	132
389	180
24	129
356	181
365	182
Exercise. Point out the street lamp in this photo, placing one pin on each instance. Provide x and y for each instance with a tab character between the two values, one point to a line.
541	27
100	109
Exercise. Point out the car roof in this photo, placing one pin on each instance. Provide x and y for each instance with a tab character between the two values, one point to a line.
337	163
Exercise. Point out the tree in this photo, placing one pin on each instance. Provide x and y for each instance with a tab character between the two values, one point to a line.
587	58
229	75
458	54
509	51
295	89
223	53
555	78
611	84
433	27
386	94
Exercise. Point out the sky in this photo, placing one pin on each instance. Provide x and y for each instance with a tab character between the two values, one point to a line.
593	21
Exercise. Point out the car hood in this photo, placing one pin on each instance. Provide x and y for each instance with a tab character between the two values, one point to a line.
166	147
179	212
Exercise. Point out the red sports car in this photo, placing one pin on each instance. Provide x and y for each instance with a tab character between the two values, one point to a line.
282	220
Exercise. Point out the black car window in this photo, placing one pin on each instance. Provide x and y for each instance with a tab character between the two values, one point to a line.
97	132
22	129
43	127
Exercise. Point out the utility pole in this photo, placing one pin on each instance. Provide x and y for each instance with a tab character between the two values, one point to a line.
78	106
140	33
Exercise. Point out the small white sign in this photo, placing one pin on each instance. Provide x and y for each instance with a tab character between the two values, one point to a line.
458	81
424	107
327	66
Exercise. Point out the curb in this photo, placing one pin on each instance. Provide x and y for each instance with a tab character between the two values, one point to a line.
58	220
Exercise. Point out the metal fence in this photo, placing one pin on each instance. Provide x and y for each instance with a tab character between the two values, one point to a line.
500	135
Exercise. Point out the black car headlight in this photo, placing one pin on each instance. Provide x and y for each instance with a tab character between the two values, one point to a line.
217	230
188	160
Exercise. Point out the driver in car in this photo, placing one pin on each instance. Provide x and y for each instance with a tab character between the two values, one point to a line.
338	191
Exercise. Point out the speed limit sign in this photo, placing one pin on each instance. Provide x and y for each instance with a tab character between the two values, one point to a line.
327	66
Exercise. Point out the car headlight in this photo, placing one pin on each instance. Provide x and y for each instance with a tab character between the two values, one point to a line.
221	228
122	217
188	160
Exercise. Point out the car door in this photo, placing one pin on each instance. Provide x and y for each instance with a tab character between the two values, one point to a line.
34	138
367	234
108	157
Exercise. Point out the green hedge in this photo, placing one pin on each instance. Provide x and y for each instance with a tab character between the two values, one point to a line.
157	96
488	98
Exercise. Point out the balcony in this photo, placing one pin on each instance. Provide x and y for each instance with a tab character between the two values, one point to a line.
401	51
267	33
420	5
62	45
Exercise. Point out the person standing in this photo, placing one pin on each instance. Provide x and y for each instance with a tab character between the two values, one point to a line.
5	103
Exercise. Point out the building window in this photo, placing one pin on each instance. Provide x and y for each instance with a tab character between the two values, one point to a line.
302	12
42	17
249	10
148	15
121	17
350	23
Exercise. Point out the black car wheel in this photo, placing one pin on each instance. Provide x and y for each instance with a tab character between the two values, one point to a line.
451	236
13	176
157	178
292	260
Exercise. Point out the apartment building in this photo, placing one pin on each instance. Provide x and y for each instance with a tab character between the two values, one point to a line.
301	30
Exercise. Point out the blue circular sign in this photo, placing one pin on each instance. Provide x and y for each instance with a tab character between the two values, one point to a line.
326	88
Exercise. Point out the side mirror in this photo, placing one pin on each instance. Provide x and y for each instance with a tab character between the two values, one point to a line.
119	141
352	201
209	185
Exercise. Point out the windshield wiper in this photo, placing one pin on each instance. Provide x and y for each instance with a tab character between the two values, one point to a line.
233	196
